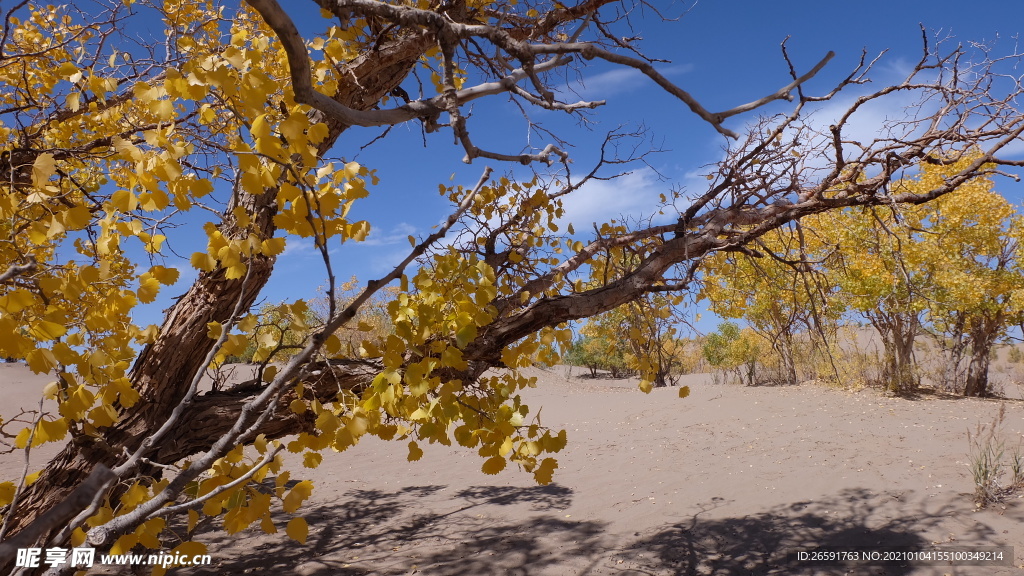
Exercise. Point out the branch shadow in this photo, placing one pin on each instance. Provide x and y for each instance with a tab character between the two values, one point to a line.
490	530
762	544
399	532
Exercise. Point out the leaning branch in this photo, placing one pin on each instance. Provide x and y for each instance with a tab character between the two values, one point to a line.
257	410
80	498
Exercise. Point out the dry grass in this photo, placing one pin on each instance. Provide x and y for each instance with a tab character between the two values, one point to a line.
988	452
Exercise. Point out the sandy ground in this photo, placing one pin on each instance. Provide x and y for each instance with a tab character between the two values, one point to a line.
728	481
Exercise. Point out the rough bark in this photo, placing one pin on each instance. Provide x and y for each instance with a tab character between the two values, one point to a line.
984	333
953	345
213	413
898	332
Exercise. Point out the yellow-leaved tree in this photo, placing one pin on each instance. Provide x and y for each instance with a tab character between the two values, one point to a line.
950	268
779	288
226	127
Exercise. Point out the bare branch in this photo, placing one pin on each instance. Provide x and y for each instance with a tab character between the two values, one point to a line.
16	270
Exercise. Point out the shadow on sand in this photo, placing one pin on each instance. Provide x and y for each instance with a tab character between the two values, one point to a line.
403	532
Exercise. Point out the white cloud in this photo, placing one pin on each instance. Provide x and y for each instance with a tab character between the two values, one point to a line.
296	247
399	234
633	196
620	80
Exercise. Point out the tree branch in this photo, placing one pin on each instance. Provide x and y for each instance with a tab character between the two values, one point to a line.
80	498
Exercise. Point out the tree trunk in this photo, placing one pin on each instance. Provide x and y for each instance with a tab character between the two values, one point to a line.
784	347
164	370
953	348
898	332
977	374
983	337
162	375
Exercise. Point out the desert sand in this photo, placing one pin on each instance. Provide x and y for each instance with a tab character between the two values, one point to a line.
729	481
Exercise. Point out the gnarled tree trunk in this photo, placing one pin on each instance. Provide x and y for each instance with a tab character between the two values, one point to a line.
984	332
164	370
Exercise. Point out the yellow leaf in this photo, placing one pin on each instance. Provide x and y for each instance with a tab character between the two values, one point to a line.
16	301
6	493
164	275
124	201
42	169
271	146
297	530
77	537
260	127
21	440
359	231
77	218
154	244
684	391
235	520
312	459
293	128
272	246
214	330
78	401
465	335
493	465
543	474
235	271
357	424
203	261
135	495
41	360
149	531
124	544
269	373
162	109
66	70
415	452
352	170
248	324
50	431
267	525
317	132
213	507
149	287
297	495
103	415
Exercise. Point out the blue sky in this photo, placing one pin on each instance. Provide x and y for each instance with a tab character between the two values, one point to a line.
724	52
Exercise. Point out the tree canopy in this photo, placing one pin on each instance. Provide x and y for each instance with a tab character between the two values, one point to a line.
110	146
